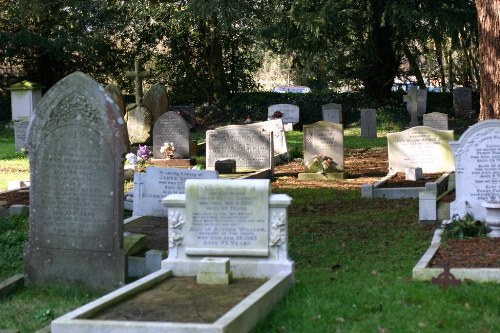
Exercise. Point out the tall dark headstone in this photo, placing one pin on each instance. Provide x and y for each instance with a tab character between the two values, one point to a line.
156	101
171	128
76	144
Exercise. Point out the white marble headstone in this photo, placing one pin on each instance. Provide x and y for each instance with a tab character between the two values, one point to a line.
156	183
290	112
477	156
420	146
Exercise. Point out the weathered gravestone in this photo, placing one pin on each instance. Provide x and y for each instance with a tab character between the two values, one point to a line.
422	147
20	133
415	99
421	101
76	149
279	139
138	118
187	112
251	148
368	123
477	159
171	127
156	101
117	96
332	112
323	141
290	113
462	101
156	183
436	120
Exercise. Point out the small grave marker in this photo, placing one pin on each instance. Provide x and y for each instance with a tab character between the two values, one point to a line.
446	279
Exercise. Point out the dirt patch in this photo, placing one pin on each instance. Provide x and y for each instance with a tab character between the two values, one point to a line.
399	180
15	197
182	300
468	253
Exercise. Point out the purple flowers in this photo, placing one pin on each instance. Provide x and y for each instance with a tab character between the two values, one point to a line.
143	153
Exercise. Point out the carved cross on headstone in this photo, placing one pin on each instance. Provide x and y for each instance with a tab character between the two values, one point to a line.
412	99
446	279
138	75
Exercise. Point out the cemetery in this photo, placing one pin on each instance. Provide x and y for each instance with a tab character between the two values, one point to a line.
154	179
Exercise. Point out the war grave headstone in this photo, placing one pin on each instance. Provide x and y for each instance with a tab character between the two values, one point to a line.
477	158
413	99
218	228
332	112
251	148
436	120
139	119
20	133
156	183
323	151
368	123
462	101
156	101
289	114
76	146
417	147
187	112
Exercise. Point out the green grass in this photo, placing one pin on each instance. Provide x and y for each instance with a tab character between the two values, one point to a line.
354	257
13	165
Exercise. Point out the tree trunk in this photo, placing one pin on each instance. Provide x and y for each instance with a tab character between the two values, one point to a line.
439	58
415	69
488	12
381	60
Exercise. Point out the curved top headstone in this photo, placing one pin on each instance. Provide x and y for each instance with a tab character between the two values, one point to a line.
477	159
76	146
156	100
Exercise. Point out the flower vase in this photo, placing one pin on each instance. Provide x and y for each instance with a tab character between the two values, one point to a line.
492	218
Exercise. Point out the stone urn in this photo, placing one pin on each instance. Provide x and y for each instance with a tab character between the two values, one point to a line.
492	218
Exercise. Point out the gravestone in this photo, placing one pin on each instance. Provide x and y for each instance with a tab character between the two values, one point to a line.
171	127
290	112
138	125
421	101
420	146
187	112
477	157
24	96
117	96
156	183
413	99
462	101
332	112
436	120
139	119
368	123
251	148
20	133
279	139
76	147
156	101
238	218
326	139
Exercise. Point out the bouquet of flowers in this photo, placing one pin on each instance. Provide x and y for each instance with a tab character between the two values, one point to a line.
322	164
168	150
142	157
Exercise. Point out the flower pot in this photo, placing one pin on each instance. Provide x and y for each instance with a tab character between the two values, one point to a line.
492	218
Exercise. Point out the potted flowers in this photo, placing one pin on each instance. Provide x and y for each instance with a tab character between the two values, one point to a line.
322	164
168	149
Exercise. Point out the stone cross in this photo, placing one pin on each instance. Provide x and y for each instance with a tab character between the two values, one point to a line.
412	99
138	75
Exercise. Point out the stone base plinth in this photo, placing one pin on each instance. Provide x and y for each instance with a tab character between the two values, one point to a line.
320	176
174	163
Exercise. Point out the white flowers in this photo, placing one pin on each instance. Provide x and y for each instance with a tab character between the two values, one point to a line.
168	150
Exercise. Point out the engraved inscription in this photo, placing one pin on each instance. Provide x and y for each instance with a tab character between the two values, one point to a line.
76	205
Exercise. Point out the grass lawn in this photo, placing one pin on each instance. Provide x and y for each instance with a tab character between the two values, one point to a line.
353	256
